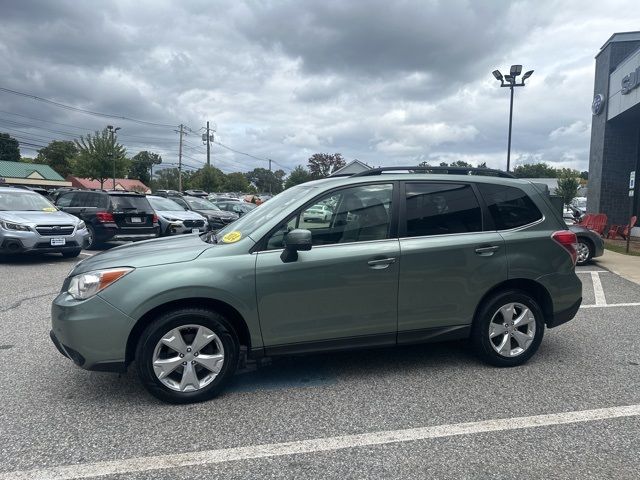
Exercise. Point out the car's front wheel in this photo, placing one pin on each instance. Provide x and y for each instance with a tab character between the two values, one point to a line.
187	355
508	329
585	252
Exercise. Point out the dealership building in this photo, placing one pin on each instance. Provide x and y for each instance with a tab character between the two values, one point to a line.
615	129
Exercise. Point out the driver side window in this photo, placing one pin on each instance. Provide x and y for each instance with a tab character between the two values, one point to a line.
354	214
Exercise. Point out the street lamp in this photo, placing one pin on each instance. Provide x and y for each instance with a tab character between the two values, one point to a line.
509	81
112	131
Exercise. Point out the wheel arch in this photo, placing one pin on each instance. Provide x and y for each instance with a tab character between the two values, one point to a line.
525	285
235	319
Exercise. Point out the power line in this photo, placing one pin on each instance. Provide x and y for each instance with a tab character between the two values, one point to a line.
82	110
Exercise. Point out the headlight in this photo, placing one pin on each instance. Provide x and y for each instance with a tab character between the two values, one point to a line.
15	226
175	220
81	226
86	285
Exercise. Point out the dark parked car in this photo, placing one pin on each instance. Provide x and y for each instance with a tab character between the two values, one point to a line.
590	244
112	215
217	218
196	193
234	206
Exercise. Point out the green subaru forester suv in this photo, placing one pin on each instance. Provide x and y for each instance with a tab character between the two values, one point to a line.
403	258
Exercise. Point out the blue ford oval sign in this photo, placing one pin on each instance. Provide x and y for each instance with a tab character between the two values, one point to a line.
598	104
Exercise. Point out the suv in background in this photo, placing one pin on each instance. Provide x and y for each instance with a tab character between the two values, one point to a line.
404	258
30	223
216	217
112	215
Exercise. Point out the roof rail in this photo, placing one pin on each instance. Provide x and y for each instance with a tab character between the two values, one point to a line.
489	172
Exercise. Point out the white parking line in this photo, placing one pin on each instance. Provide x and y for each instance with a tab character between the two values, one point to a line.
210	457
592	271
87	254
598	291
611	305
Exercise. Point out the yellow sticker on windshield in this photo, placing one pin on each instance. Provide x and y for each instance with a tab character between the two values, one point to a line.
49	209
232	237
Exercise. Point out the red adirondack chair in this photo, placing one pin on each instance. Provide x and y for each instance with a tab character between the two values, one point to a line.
622	230
600	223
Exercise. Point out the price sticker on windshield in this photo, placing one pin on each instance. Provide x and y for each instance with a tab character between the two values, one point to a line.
232	237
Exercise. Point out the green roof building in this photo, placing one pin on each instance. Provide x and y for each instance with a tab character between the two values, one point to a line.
30	174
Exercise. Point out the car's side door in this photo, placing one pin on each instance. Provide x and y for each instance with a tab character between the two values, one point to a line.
344	291
450	257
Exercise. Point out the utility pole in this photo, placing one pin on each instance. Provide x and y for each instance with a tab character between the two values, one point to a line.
180	159
269	163
112	131
207	138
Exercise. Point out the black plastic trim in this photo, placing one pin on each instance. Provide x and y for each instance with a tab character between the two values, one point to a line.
349	343
436	334
565	315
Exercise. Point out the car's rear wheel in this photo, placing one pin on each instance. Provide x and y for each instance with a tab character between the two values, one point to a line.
187	355
585	251
508	329
92	242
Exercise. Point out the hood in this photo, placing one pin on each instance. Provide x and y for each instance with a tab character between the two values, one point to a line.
159	251
180	214
38	217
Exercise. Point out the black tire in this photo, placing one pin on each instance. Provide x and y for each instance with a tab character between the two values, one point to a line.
71	253
480	340
173	319
92	241
589	245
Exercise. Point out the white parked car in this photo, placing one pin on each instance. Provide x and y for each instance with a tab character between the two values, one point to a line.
318	213
174	219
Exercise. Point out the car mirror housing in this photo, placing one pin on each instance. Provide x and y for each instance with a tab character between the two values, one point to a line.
294	241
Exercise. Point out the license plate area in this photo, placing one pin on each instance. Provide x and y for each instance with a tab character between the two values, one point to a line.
58	242
195	230
135	219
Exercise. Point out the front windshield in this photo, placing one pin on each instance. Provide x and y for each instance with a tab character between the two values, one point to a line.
200	203
164	204
258	216
25	201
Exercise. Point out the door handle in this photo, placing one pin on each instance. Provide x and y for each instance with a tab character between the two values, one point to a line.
487	251
381	263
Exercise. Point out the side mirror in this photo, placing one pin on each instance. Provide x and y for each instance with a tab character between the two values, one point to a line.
296	240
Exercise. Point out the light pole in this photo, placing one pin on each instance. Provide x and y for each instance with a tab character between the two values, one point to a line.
112	131
509	81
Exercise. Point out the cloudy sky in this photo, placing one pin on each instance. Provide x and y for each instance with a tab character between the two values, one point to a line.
389	83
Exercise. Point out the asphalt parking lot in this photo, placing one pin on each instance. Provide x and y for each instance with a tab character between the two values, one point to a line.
430	411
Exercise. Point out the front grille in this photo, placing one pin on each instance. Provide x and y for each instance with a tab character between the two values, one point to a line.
48	245
54	230
226	221
193	223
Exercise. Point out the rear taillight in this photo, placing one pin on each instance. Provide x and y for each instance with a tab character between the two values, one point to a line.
155	218
105	217
568	240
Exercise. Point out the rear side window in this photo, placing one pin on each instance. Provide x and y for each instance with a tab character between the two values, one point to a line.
65	200
441	209
120	203
510	207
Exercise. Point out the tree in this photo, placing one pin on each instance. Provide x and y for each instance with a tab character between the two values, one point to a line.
482	165
236	182
9	148
167	179
567	186
266	180
141	165
58	155
297	176
208	178
322	165
584	175
97	154
535	170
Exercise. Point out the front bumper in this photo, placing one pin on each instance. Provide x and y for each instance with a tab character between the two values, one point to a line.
91	332
32	242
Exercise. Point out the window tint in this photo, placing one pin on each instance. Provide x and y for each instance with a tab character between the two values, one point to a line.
120	203
355	214
510	207
65	200
441	209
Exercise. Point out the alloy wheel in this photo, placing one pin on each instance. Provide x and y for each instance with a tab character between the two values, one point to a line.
583	252
512	329
188	358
